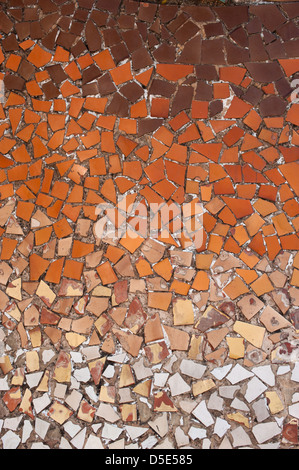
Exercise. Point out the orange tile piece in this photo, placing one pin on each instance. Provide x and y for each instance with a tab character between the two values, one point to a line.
106	273
232	74
62	228
238	108
139	109
236	288
39	57
54	271
262	285
126	145
81	249
37	266
174	72
73	269
121	74
104	60
7	248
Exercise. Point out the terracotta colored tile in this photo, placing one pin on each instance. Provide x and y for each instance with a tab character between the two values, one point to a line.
122	73
39	57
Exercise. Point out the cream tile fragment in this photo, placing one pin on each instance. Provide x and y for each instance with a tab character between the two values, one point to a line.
252	333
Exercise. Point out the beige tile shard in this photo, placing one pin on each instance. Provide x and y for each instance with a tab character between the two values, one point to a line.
272	320
183	313
74	339
195	349
215	336
274	402
143	388
5	272
239	418
250	305
152	250
45	293
59	413
63	368
252	333
86	412
14	289
163	403
128	412
236	347
179	339
202	386
32	361
126	376
153	329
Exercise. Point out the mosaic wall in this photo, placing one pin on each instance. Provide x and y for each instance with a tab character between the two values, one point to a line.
111	111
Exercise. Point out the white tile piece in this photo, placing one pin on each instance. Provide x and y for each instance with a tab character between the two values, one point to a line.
225	444
294	410
220	372
91	352
215	402
76	357
295	373
206	444
10	440
39	445
197	433
149	442
64	444
93	442
47	355
263	432
41	427
79	440
4	384
82	374
240	437
111	432
71	428
33	379
283	370
177	385
228	391
141	371
238	404
261	410
265	373
60	391
120	444
90	391
238	374
295	397
12	423
27	429
202	413
160	424
192	369
221	427
160	379
107	412
181	438
109	372
135	431
73	399
40	403
255	387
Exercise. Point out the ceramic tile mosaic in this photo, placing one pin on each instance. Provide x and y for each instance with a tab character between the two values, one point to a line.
121	113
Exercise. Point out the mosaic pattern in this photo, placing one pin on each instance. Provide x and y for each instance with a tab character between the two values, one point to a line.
148	343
